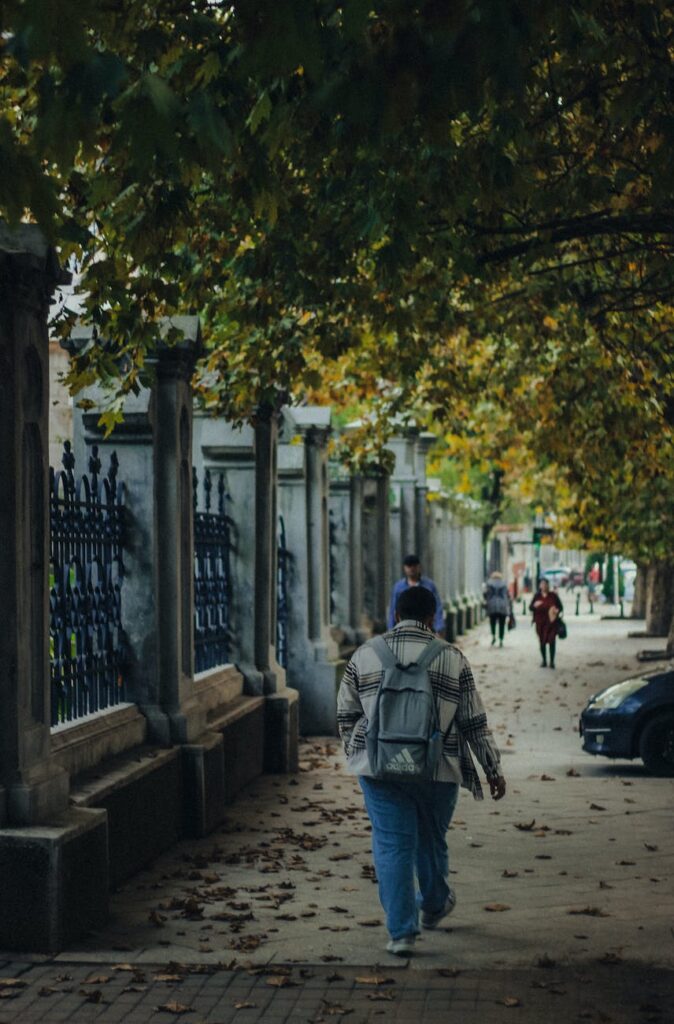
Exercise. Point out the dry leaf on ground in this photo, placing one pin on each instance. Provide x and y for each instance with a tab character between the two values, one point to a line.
173	1007
509	1001
589	911
375	979
497	908
241	1004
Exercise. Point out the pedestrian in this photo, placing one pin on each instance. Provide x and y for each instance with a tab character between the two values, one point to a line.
410	817
413	577
499	605
546	607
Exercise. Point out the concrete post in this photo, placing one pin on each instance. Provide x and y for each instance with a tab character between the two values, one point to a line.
314	667
423	443
53	858
340	556
404	481
356	554
33	788
155	445
382	550
282	703
223	448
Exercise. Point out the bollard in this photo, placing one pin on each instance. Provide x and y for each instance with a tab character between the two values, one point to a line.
450	626
524	607
591	607
622	609
577	604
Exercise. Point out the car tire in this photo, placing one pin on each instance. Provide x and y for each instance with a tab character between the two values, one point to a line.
656	744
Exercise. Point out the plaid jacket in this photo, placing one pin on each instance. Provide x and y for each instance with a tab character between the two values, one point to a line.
462	717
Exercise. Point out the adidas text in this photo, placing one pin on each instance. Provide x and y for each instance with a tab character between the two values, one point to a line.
402	763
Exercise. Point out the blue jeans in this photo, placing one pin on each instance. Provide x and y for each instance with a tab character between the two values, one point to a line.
409	827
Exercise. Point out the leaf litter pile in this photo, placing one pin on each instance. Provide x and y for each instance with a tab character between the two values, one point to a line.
234	892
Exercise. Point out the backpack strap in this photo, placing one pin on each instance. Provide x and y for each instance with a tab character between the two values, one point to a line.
383	652
389	660
431	652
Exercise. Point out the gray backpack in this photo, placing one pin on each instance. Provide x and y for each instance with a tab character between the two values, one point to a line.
403	736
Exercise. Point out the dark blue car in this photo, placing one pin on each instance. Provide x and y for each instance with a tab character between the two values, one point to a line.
634	718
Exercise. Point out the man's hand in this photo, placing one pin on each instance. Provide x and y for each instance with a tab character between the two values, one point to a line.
497	787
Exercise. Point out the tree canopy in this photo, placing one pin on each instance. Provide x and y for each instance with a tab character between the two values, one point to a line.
462	211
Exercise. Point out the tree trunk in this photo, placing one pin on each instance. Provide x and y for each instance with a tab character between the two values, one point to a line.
670	640
639	600
660	598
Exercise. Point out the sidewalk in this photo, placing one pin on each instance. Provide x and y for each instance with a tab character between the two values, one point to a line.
565	894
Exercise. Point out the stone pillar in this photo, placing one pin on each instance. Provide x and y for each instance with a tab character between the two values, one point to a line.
247	457
340	556
266	519
404	481
155	445
223	448
396	550
53	858
282	707
423	443
34	790
356	558
382	594
314	667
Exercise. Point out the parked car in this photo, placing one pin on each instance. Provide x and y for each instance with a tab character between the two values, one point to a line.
634	718
556	577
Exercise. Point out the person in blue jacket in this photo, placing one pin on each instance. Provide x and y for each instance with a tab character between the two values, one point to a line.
414	578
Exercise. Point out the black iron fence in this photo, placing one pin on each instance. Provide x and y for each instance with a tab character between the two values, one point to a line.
87	643
282	569
212	545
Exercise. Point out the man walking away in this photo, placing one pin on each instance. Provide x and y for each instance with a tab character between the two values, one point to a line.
410	816
499	605
413	577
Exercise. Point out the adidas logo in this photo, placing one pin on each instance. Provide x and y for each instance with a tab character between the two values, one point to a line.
402	762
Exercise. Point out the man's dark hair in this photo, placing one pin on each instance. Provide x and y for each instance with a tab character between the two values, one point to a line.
411	560
416	603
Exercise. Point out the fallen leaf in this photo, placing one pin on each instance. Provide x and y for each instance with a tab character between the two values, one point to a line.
373	922
573	774
173	1007
375	979
381	997
12	983
509	1001
547	778
611	958
509	874
95	996
280	981
448	972
546	961
525	826
589	912
241	1004
605	885
496	908
597	807
651	846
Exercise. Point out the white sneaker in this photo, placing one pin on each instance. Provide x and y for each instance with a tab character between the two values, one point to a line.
402	947
430	921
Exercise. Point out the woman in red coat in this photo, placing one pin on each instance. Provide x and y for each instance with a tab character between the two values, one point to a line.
547	608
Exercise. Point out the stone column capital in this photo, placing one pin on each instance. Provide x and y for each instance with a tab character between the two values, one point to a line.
30	270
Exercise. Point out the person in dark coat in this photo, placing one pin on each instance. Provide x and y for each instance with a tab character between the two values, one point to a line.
498	604
546	607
